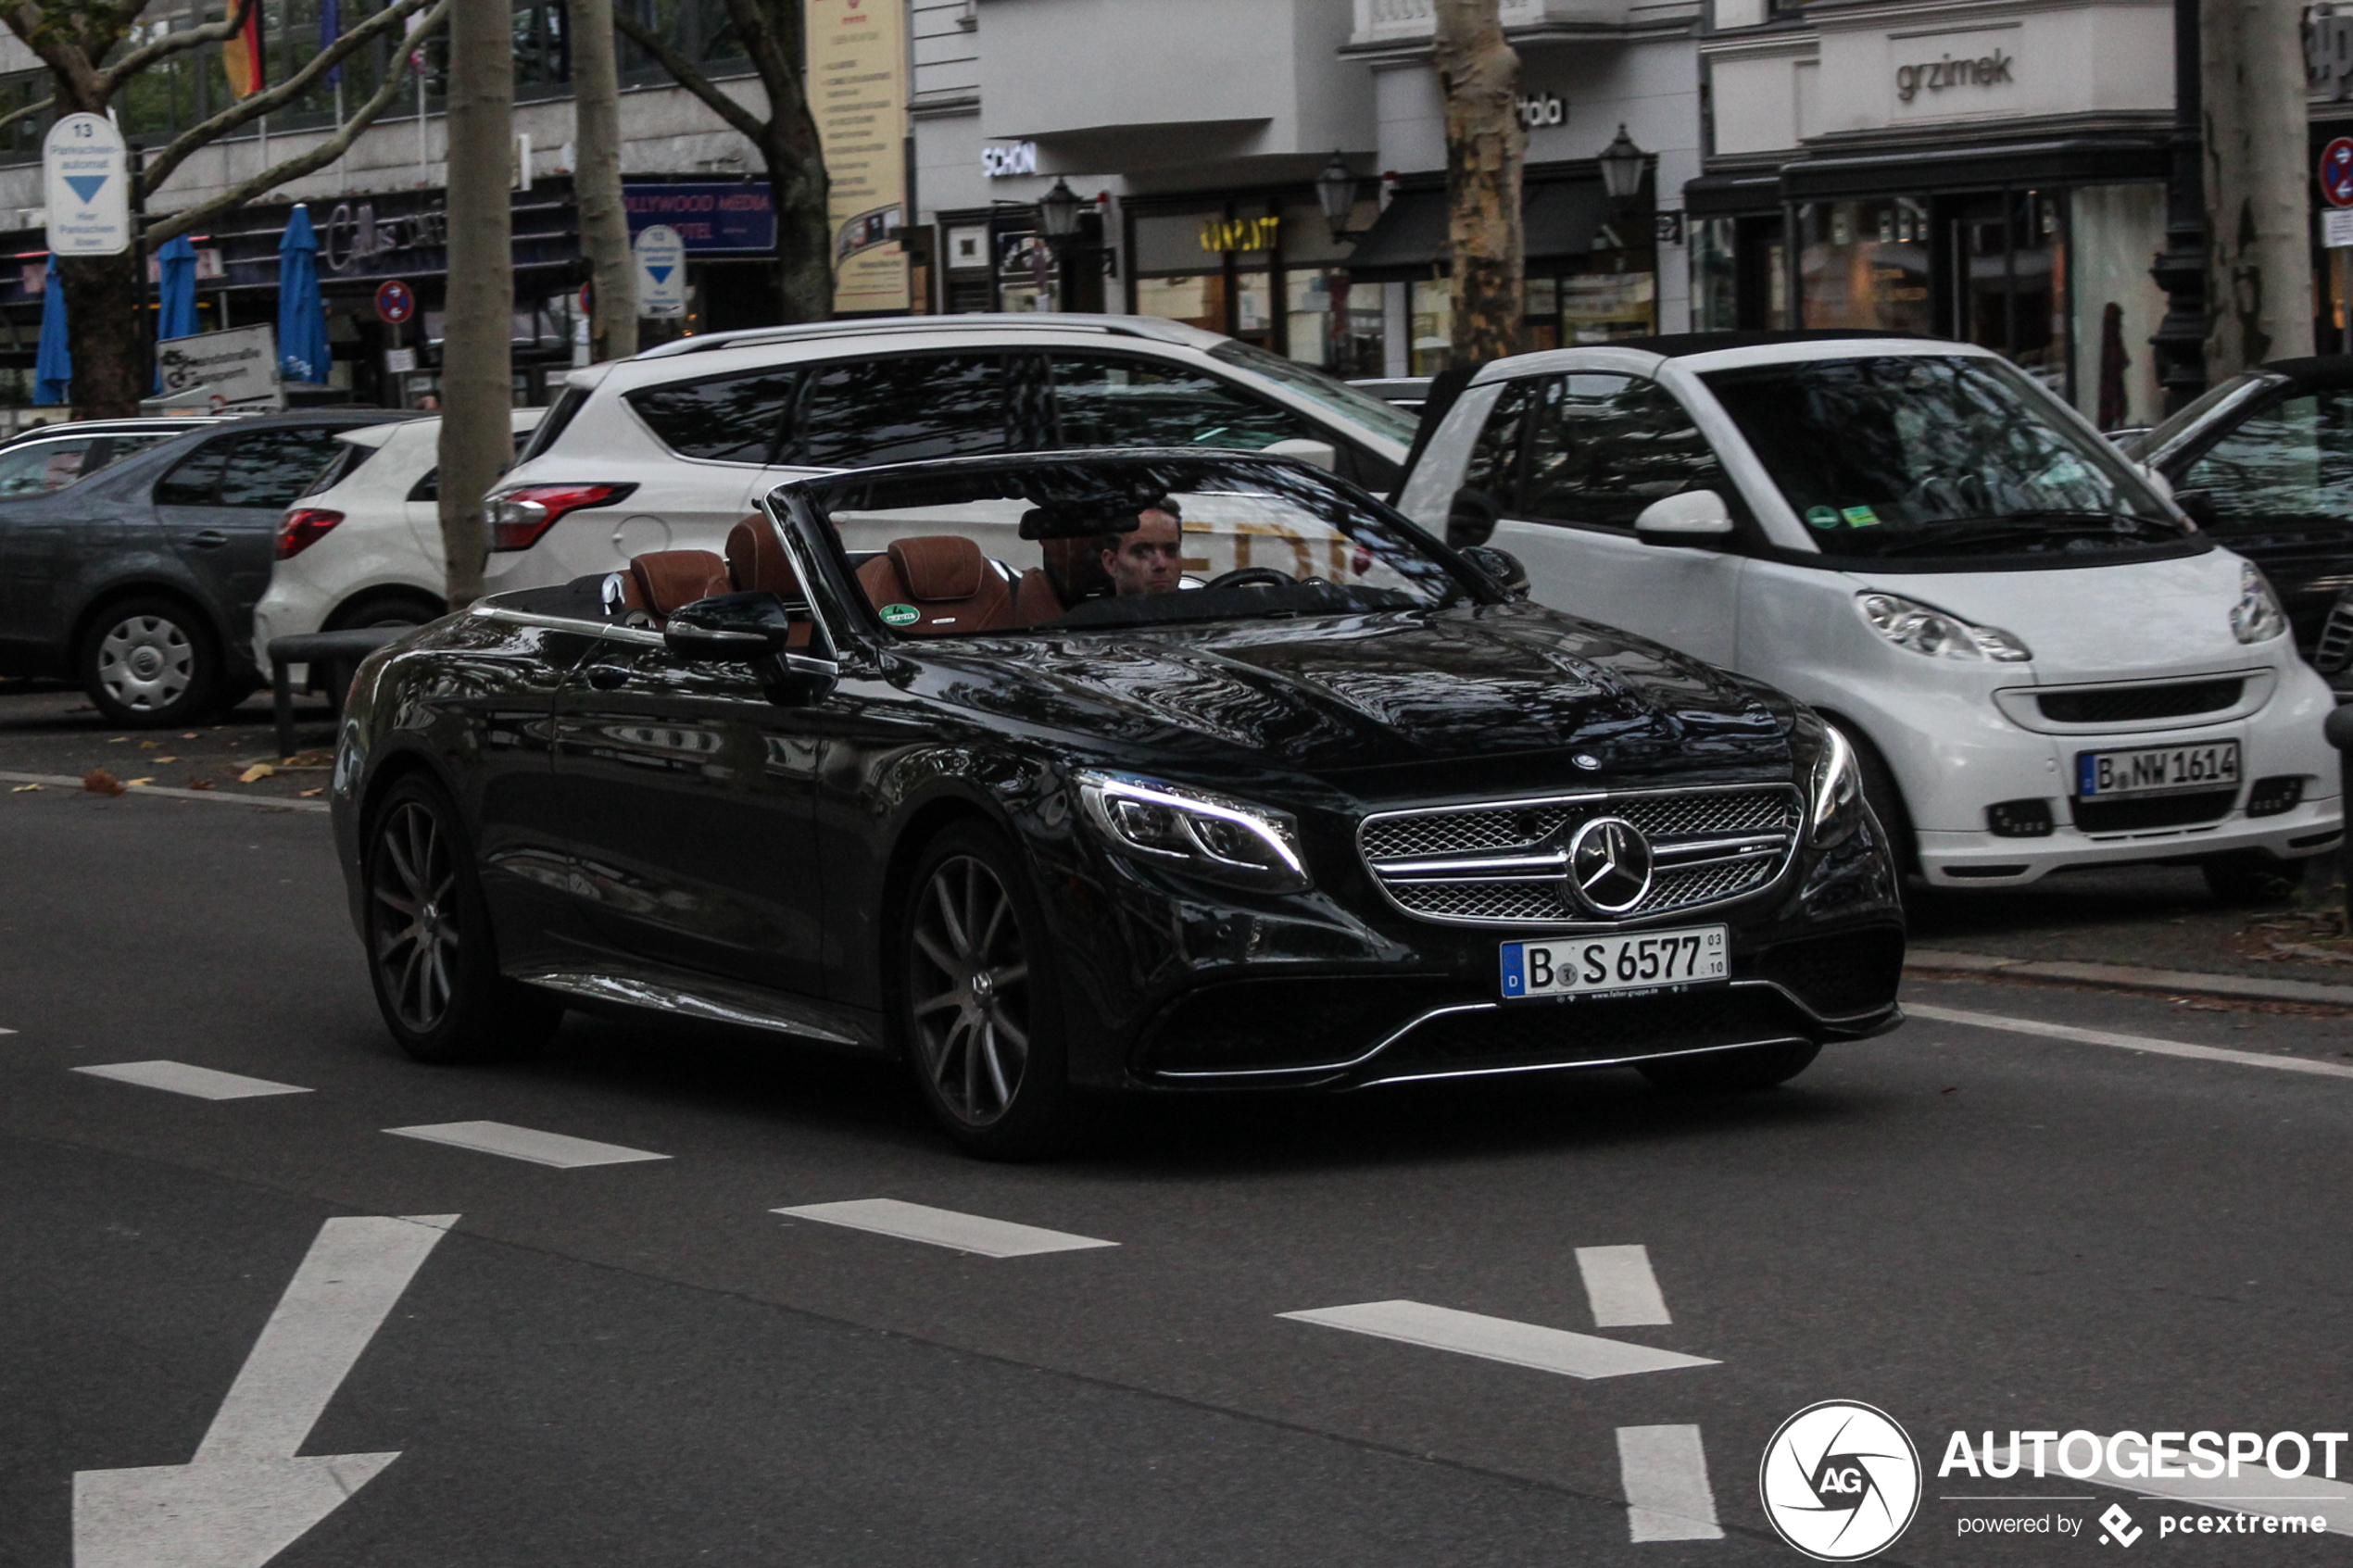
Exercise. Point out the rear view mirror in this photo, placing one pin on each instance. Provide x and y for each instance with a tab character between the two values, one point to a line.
1695	517
1471	518
1323	454
731	628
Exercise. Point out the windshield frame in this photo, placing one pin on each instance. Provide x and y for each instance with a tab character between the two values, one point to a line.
801	511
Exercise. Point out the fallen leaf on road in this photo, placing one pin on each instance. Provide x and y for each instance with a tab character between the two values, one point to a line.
190	735
163	759
256	773
129	782
24	789
200	783
97	781
306	793
118	740
149	745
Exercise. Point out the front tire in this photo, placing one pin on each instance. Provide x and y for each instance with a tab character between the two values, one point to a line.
149	663
431	955
1731	1072
978	1013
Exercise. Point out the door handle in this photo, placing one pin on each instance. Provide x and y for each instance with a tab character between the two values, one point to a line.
210	539
607	677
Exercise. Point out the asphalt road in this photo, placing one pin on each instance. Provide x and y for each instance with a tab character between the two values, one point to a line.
641	1362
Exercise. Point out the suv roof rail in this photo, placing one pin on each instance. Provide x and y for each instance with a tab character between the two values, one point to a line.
1151	327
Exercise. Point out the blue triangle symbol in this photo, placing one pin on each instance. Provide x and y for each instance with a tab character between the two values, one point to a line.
658	274
85	185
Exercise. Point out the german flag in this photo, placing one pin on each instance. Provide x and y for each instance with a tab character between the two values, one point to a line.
242	55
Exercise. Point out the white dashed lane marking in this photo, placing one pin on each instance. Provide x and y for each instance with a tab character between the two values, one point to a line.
1664	1470
1619	1284
2125	1042
1498	1340
943	1227
180	1078
524	1143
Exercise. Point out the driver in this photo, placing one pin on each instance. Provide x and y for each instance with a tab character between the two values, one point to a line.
1149	559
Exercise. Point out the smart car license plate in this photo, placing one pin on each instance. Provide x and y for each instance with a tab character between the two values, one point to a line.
2158	769
1578	966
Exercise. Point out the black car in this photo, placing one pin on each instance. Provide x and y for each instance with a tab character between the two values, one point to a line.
139	581
2264	462
898	774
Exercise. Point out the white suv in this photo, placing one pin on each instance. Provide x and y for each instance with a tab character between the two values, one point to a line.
671	449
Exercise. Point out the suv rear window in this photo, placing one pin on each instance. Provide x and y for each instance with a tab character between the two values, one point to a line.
730	419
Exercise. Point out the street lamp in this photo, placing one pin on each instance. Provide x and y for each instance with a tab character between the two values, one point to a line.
1336	191
1622	163
1058	212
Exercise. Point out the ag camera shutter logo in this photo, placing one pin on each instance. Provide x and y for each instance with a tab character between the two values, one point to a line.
1840	1481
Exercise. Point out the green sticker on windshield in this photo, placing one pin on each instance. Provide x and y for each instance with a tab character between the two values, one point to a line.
1860	517
900	615
1822	517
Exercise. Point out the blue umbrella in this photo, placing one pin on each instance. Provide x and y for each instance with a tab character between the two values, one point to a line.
53	370
302	315
176	304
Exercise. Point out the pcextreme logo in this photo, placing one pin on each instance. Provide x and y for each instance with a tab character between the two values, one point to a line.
1840	1481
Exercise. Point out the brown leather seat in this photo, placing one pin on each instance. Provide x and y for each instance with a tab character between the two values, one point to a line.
667	578
757	564
946	578
1073	569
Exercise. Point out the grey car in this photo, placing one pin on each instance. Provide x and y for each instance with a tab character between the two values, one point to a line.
139	581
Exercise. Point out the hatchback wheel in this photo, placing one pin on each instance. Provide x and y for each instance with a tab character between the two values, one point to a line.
978	1015
430	951
148	663
1733	1071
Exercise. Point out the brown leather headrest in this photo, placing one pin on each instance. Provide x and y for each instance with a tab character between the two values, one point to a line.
938	567
671	577
757	563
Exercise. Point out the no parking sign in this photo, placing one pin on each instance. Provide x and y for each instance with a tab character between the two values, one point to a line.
2336	171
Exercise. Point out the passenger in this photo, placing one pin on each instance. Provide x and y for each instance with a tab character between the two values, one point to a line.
1148	560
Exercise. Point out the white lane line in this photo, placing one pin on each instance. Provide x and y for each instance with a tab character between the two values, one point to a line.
2255	1490
181	1078
66	781
1664	1470
2126	1042
1498	1340
523	1143
943	1227
1619	1284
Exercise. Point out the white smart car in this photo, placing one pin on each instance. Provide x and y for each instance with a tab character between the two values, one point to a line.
2041	661
671	449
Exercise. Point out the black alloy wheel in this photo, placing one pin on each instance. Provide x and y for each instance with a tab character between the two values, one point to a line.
1738	1072
430	953
148	663
981	1026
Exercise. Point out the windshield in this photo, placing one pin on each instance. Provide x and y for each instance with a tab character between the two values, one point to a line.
1001	547
1936	456
1358	407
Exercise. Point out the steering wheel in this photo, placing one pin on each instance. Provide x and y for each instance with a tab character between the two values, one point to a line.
1251	577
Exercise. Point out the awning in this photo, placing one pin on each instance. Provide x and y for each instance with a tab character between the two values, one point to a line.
1560	218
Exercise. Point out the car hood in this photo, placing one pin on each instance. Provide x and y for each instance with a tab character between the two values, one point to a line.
1398	689
2128	622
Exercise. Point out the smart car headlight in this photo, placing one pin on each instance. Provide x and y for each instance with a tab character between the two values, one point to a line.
1208	835
2256	617
1928	631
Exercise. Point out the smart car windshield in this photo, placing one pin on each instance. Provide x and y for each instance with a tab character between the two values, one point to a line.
1014	546
1932	455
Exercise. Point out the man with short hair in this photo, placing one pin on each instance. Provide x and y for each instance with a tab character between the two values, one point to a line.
1148	560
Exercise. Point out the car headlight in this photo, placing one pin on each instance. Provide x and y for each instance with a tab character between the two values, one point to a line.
1191	829
1834	797
2256	617
1928	631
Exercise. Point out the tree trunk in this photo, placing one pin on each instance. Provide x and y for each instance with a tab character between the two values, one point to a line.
799	187
2258	265
103	325
604	223
477	338
1485	148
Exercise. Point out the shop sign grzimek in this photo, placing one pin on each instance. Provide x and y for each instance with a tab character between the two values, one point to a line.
1985	70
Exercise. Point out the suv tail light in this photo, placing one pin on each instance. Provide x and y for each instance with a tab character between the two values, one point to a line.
518	517
302	528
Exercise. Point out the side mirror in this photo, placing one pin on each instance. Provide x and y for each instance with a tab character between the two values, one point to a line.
1695	517
731	628
1471	518
2199	505
1501	566
1323	454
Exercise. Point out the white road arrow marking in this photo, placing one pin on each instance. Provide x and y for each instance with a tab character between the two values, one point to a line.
1498	1340
246	1496
182	1078
1619	1284
1668	1497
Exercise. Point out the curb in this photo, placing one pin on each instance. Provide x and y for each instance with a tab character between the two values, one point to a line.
1929	961
270	802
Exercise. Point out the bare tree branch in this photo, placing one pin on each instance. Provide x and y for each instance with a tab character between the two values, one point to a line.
683	73
316	159
160	167
15	115
172	44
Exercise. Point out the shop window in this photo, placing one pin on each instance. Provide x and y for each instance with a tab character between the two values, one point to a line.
903	409
1598	305
1601	448
1432	326
1198	299
2295	459
1714	276
1108	401
1865	264
2011	281
1333	322
2112	231
733	419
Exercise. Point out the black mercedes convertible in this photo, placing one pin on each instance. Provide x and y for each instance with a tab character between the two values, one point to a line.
1142	771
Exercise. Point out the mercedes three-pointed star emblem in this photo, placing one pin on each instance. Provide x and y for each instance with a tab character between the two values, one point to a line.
1609	865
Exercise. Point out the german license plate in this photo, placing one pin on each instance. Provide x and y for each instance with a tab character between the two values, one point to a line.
2156	770
1579	966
